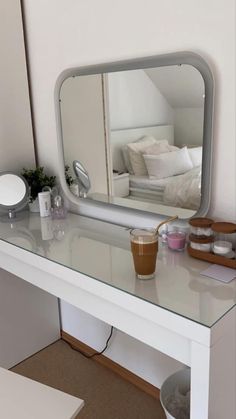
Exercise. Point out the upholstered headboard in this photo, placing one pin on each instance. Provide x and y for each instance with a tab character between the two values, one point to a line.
119	138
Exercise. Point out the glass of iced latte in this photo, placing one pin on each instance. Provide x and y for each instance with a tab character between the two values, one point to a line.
144	247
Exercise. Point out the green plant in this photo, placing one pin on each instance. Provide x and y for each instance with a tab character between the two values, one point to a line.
69	178
37	179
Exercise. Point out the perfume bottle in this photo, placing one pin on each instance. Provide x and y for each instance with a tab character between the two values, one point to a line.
59	211
164	232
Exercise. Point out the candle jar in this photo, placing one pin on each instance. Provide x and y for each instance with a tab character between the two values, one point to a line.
176	240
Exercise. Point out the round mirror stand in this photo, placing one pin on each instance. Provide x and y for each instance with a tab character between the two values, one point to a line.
11	213
14	192
82	178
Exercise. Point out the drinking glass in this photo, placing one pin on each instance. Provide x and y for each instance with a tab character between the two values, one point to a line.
144	247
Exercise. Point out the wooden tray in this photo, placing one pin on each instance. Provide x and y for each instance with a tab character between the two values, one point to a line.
211	257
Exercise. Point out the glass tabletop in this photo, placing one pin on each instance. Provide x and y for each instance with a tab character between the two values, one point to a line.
102	251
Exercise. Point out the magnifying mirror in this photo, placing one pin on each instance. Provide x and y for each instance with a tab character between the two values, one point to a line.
14	192
82	178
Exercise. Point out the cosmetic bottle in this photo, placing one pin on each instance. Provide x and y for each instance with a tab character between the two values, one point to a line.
59	211
46	228
44	203
163	233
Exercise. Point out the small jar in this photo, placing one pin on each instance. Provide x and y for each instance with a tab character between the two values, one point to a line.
223	238
204	244
221	247
201	226
176	240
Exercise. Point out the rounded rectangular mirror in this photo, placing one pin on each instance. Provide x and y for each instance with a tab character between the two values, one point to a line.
142	131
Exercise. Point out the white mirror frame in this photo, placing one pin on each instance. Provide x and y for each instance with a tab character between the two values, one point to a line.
86	205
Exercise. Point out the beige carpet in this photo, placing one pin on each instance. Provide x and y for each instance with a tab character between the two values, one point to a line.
106	395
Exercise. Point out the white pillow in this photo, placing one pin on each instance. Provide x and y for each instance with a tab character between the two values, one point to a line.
173	148
168	164
196	155
159	147
135	155
125	154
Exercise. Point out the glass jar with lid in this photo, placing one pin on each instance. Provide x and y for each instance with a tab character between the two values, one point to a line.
201	226
204	244
223	243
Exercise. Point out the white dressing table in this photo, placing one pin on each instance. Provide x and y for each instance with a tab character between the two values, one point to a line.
88	264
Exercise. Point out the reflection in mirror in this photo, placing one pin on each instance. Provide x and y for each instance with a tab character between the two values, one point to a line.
139	134
13	192
82	178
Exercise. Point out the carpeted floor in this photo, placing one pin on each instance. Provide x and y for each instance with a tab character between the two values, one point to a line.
106	395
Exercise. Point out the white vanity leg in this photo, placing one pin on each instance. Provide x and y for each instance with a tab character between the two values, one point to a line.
200	378
213	374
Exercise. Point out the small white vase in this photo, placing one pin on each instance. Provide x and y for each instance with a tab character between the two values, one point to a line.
34	206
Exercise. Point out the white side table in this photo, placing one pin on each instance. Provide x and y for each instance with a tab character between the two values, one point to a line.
121	184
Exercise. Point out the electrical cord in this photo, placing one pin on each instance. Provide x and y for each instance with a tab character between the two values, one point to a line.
95	353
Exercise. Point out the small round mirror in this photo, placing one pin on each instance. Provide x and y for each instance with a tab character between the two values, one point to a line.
82	178
13	192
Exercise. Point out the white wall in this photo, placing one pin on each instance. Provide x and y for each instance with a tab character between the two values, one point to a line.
182	86
162	96
139	358
16	140
134	101
76	33
29	318
82	123
190	133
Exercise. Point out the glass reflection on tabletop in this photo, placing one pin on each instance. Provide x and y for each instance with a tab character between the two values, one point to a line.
102	251
217	289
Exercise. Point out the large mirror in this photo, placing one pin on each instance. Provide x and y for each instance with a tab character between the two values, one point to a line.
142	132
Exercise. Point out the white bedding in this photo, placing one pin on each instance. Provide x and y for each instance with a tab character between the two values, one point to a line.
184	190
179	191
144	182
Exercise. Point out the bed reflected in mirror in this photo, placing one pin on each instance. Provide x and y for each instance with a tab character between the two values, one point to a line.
139	134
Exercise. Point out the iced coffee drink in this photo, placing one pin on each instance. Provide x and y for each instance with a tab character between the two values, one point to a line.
144	247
